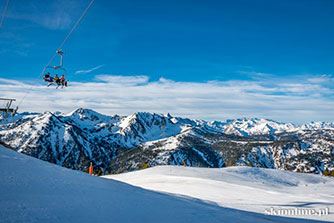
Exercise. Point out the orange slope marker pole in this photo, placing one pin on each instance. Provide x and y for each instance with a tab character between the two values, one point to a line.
91	169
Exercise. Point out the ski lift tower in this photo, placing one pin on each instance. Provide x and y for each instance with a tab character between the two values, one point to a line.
6	108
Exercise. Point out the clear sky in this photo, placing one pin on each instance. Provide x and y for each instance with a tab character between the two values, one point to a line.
203	59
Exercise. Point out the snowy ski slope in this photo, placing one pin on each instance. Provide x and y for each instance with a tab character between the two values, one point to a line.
32	190
242	188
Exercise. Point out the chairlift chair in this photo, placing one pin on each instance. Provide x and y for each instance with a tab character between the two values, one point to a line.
53	70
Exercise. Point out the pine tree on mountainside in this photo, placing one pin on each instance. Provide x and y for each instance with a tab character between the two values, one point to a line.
326	172
299	171
98	172
331	173
145	165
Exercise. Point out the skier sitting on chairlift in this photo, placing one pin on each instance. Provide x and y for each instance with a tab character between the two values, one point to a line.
48	78
56	79
63	81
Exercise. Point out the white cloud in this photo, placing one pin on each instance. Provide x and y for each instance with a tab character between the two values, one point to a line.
89	70
122	80
9	81
214	100
255	74
54	15
322	78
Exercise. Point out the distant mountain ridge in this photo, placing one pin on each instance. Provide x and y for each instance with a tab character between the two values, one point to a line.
122	143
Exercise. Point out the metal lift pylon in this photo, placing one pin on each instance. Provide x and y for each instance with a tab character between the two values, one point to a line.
7	109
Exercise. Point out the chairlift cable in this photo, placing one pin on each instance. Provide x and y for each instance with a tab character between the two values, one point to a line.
59	48
76	24
4	14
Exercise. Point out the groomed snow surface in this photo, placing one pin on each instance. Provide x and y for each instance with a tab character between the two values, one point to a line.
35	191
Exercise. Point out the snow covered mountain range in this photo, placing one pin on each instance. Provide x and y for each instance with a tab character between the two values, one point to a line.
122	143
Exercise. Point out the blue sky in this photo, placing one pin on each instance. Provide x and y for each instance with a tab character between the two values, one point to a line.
283	47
